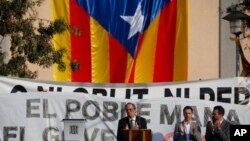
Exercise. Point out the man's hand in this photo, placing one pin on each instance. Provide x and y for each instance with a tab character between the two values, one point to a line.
194	127
181	128
217	125
136	126
126	127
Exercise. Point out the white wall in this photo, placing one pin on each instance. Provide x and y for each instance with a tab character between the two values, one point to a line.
203	39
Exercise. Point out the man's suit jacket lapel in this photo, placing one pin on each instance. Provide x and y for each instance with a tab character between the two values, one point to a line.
224	125
139	122
127	122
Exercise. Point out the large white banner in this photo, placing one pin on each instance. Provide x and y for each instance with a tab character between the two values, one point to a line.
38	116
28	113
229	90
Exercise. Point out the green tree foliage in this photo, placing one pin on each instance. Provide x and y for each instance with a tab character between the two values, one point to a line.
29	42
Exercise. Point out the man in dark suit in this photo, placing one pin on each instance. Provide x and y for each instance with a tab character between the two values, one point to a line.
132	121
219	128
187	130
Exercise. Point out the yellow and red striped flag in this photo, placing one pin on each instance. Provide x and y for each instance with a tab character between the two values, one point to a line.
124	41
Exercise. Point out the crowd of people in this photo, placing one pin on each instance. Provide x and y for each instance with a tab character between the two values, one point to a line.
218	129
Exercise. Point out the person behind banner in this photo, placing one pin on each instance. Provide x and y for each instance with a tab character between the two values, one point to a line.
187	130
219	128
131	121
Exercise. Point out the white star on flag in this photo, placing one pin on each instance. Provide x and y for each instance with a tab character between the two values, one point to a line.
136	21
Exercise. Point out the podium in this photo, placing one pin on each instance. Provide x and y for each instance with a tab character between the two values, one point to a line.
137	135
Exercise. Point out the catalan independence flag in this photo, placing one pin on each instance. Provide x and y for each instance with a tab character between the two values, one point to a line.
124	41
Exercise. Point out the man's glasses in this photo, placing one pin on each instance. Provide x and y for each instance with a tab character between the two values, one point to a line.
130	109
